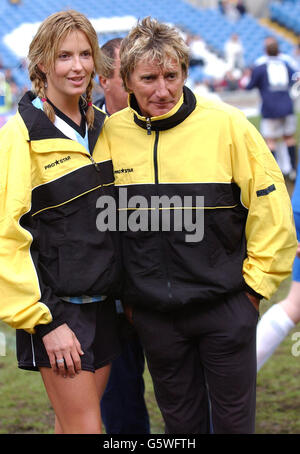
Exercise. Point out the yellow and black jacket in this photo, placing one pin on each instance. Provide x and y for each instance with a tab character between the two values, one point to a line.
209	149
50	246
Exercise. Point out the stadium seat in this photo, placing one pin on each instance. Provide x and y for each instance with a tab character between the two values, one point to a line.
210	24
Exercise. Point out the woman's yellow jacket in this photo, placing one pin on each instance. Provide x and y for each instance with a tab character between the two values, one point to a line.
49	242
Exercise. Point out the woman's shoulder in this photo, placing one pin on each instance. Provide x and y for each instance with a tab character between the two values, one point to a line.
13	128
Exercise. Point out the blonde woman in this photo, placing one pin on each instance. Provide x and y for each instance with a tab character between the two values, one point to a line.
57	271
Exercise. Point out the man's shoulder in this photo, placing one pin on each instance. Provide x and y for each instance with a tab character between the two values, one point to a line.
280	58
262	60
217	106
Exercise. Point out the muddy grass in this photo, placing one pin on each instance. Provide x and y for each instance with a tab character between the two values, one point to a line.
25	409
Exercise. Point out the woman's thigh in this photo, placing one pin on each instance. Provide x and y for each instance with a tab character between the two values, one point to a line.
75	401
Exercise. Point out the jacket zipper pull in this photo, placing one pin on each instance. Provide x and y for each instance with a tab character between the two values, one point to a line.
148	126
95	163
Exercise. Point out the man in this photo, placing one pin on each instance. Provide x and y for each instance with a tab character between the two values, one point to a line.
234	53
209	233
123	406
114	96
273	77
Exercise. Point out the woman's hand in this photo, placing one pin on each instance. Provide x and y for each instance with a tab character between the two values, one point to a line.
298	250
64	351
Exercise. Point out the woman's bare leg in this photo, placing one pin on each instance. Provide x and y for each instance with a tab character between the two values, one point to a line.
75	402
102	376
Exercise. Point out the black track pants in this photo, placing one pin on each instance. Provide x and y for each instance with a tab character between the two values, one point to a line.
202	360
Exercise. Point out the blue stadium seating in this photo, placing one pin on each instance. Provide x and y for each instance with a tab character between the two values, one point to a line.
287	14
214	27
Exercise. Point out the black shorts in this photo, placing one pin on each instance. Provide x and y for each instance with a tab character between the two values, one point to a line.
95	326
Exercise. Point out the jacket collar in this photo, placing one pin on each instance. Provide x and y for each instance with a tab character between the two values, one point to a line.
175	116
40	127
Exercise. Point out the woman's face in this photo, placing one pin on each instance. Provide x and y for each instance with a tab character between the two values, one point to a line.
157	89
73	68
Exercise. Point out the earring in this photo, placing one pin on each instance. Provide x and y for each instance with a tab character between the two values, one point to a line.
45	84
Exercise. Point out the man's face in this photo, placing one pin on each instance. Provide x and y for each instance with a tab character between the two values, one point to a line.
114	91
157	89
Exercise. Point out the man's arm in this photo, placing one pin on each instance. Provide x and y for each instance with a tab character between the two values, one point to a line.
270	231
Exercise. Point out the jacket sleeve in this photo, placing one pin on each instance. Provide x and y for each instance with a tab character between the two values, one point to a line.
270	231
255	78
21	291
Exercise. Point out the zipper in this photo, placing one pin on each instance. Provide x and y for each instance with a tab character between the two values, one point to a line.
149	131
148	125
155	157
164	252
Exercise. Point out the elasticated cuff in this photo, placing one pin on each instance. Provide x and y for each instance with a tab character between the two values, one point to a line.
253	292
42	330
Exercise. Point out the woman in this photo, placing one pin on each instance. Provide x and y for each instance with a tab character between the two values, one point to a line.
57	271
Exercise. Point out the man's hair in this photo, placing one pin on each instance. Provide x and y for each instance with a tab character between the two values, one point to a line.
109	49
152	41
271	46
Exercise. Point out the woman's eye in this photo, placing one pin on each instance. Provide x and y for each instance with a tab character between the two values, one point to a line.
63	56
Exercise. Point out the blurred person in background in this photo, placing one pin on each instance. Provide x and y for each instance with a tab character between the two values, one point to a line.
234	53
272	75
197	50
241	7
6	94
114	96
123	406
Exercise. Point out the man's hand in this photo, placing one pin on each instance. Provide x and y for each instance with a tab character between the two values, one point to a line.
64	351
128	313
255	301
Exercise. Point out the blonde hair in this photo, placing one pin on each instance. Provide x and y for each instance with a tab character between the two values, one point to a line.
152	41
44	47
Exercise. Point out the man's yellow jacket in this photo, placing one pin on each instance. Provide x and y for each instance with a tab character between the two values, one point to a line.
208	151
